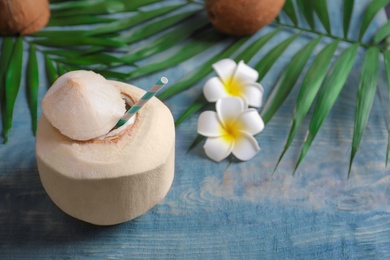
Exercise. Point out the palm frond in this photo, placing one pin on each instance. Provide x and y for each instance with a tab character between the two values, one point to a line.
32	85
382	33
51	71
12	80
287	80
306	7
365	97
374	7
347	15
189	50
90	7
289	10
331	89
6	52
321	8
386	56
270	58
166	41
309	89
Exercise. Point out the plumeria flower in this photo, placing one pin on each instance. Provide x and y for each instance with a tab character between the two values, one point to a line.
230	130
234	81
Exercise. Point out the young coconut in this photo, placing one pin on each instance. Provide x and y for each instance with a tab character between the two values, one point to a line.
23	16
83	105
242	17
112	179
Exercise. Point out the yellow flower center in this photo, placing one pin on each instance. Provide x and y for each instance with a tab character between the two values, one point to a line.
231	131
233	87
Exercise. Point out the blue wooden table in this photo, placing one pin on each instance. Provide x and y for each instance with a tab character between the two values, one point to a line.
213	210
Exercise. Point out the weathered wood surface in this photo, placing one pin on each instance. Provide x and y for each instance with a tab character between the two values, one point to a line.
221	211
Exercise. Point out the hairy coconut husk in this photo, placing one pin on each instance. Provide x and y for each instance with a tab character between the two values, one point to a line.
242	17
23	16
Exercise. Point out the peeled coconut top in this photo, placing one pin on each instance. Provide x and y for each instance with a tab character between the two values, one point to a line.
83	105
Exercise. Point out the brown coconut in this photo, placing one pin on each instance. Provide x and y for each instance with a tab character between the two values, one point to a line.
242	17
23	16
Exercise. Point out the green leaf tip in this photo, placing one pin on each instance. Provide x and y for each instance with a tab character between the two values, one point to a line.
13	79
32	85
386	56
287	80
6	53
270	58
328	94
365	98
309	89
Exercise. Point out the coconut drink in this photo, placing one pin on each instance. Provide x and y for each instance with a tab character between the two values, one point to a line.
93	168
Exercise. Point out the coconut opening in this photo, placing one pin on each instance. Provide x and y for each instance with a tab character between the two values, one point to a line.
117	131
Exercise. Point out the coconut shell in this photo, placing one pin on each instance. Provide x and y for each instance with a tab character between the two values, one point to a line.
242	17
110	181
23	16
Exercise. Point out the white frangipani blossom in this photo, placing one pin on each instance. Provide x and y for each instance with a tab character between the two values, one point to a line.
230	130
234	80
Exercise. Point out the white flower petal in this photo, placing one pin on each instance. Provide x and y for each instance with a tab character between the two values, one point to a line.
214	89
225	69
229	108
244	73
217	148
246	147
250	121
209	125
253	94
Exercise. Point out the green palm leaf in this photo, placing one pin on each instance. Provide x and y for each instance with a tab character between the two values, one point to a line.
79	20
386	56
61	70
92	7
155	27
287	80
328	95
247	54
6	53
92	59
382	33
165	42
374	7
189	50
270	58
306	7
199	103
127	23
321	8
365	97
78	41
51	72
289	9
12	81
32	84
199	138
348	8
309	89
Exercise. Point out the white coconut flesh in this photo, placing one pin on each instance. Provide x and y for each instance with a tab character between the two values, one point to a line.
83	105
117	130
